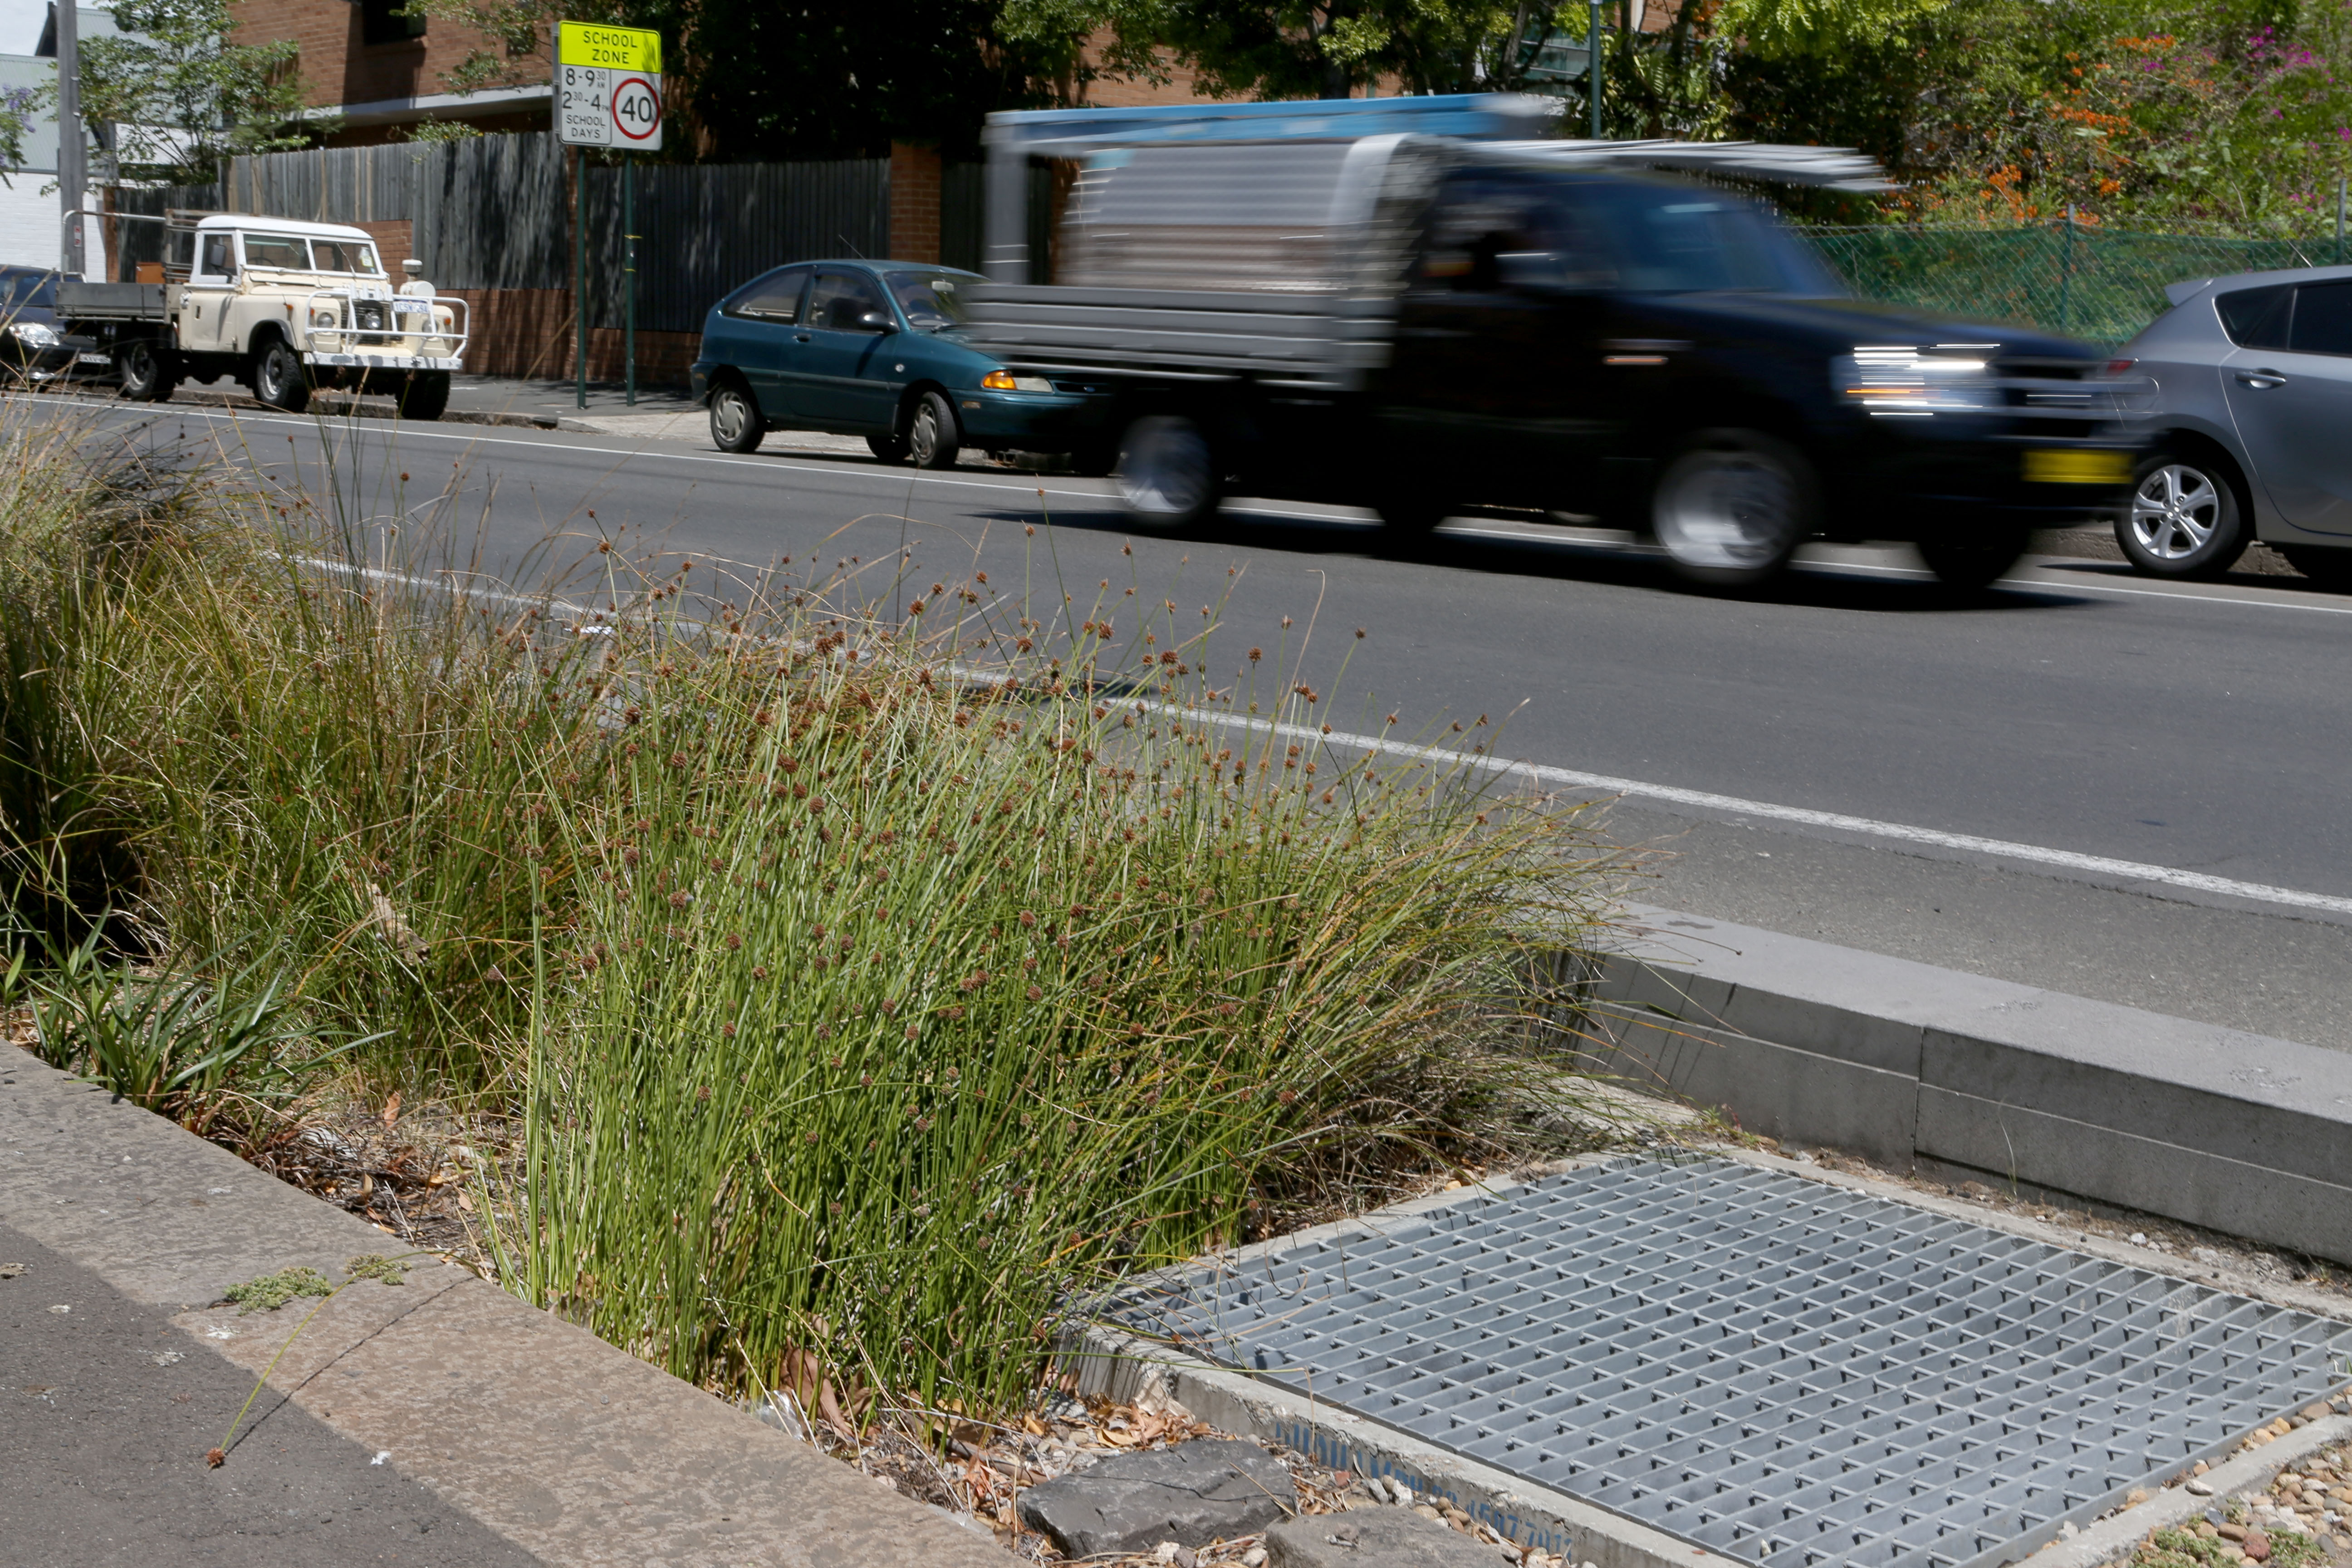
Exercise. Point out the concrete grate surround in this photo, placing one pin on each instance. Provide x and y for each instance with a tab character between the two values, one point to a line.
1786	1372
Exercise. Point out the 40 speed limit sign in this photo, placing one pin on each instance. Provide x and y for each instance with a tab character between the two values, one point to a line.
608	86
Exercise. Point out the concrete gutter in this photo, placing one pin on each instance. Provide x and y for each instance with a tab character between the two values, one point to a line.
1914	1065
574	1451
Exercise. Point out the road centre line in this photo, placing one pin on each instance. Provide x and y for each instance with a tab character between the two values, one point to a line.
2193	593
1569	778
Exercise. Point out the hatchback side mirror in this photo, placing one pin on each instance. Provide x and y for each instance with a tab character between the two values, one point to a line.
877	322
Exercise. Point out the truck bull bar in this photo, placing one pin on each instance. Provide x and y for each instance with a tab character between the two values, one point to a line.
382	343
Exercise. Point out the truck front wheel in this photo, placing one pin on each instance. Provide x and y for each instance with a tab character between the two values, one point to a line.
1732	506
278	379
1167	472
148	371
425	394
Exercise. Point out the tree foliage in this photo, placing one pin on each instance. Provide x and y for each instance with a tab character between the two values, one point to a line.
183	96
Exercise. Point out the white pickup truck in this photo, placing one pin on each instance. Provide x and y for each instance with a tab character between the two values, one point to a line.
282	306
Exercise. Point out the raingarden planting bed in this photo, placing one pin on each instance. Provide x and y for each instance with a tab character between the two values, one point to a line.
819	976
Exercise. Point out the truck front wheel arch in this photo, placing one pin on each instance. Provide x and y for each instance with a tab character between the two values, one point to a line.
279	378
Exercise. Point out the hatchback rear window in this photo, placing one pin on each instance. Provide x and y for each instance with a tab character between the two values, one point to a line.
2322	319
2257	317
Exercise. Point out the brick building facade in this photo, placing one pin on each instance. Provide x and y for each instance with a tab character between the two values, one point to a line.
384	74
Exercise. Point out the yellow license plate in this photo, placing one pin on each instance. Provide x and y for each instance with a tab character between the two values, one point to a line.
2077	468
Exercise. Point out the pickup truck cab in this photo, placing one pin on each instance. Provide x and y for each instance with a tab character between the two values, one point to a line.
281	305
1326	301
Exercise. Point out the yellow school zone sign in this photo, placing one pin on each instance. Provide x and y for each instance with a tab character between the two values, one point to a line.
607	48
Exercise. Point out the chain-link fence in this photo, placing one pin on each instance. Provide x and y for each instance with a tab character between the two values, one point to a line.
2101	285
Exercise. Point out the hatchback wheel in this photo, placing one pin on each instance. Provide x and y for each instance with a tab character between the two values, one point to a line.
1732	507
735	423
932	437
2184	519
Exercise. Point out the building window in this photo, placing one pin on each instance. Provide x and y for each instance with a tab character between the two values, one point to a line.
387	22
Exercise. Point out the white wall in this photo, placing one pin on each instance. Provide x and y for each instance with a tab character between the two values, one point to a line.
32	225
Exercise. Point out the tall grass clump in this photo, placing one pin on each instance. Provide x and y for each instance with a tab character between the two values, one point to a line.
868	971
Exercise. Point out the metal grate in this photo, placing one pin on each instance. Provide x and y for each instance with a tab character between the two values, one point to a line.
1779	1370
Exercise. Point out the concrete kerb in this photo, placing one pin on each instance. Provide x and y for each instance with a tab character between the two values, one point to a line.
1909	1064
576	1451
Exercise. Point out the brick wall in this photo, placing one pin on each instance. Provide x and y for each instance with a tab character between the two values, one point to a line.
914	201
337	65
527	332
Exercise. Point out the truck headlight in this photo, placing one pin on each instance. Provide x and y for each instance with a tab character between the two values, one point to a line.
323	318
1906	380
33	334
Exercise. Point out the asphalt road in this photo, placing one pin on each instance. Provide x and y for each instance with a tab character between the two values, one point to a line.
1999	783
109	1410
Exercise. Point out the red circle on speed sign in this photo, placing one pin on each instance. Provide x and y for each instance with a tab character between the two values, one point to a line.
634	98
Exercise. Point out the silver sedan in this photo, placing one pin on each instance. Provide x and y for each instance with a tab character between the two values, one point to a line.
2253	378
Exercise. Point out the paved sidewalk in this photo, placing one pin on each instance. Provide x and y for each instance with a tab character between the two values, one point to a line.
108	1411
528	1430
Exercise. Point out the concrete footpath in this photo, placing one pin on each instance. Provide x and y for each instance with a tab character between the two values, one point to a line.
436	1420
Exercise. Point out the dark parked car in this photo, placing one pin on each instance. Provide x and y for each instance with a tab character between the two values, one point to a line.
2252	381
876	349
30	343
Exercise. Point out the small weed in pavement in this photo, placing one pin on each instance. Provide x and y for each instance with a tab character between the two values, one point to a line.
370	1266
272	1291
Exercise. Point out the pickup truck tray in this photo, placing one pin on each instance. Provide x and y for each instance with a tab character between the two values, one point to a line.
1323	341
109	301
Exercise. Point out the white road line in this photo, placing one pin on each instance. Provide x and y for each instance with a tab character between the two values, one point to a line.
1603	784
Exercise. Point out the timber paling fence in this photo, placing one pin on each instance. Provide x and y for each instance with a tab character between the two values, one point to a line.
492	212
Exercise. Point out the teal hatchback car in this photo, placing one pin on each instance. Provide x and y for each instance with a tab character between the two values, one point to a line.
877	349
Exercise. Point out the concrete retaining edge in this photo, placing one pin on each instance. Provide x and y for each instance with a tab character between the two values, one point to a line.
577	1452
1910	1065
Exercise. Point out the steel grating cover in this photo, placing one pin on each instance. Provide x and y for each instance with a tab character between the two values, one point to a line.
1779	1370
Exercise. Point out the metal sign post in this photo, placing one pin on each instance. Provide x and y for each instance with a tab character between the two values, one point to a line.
73	176
608	93
1593	70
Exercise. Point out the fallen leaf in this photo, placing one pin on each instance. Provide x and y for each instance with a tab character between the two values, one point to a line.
465	1203
391	1109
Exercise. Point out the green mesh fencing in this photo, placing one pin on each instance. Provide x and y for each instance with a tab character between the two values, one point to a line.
2097	284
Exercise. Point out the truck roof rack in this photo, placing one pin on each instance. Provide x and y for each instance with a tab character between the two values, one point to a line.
1832	168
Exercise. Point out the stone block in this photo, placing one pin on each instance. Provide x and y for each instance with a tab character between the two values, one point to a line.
1190	1494
1375	1538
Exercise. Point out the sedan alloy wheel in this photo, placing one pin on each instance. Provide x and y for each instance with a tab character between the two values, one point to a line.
2184	520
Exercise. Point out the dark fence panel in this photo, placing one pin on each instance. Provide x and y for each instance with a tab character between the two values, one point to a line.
702	229
961	194
491	212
